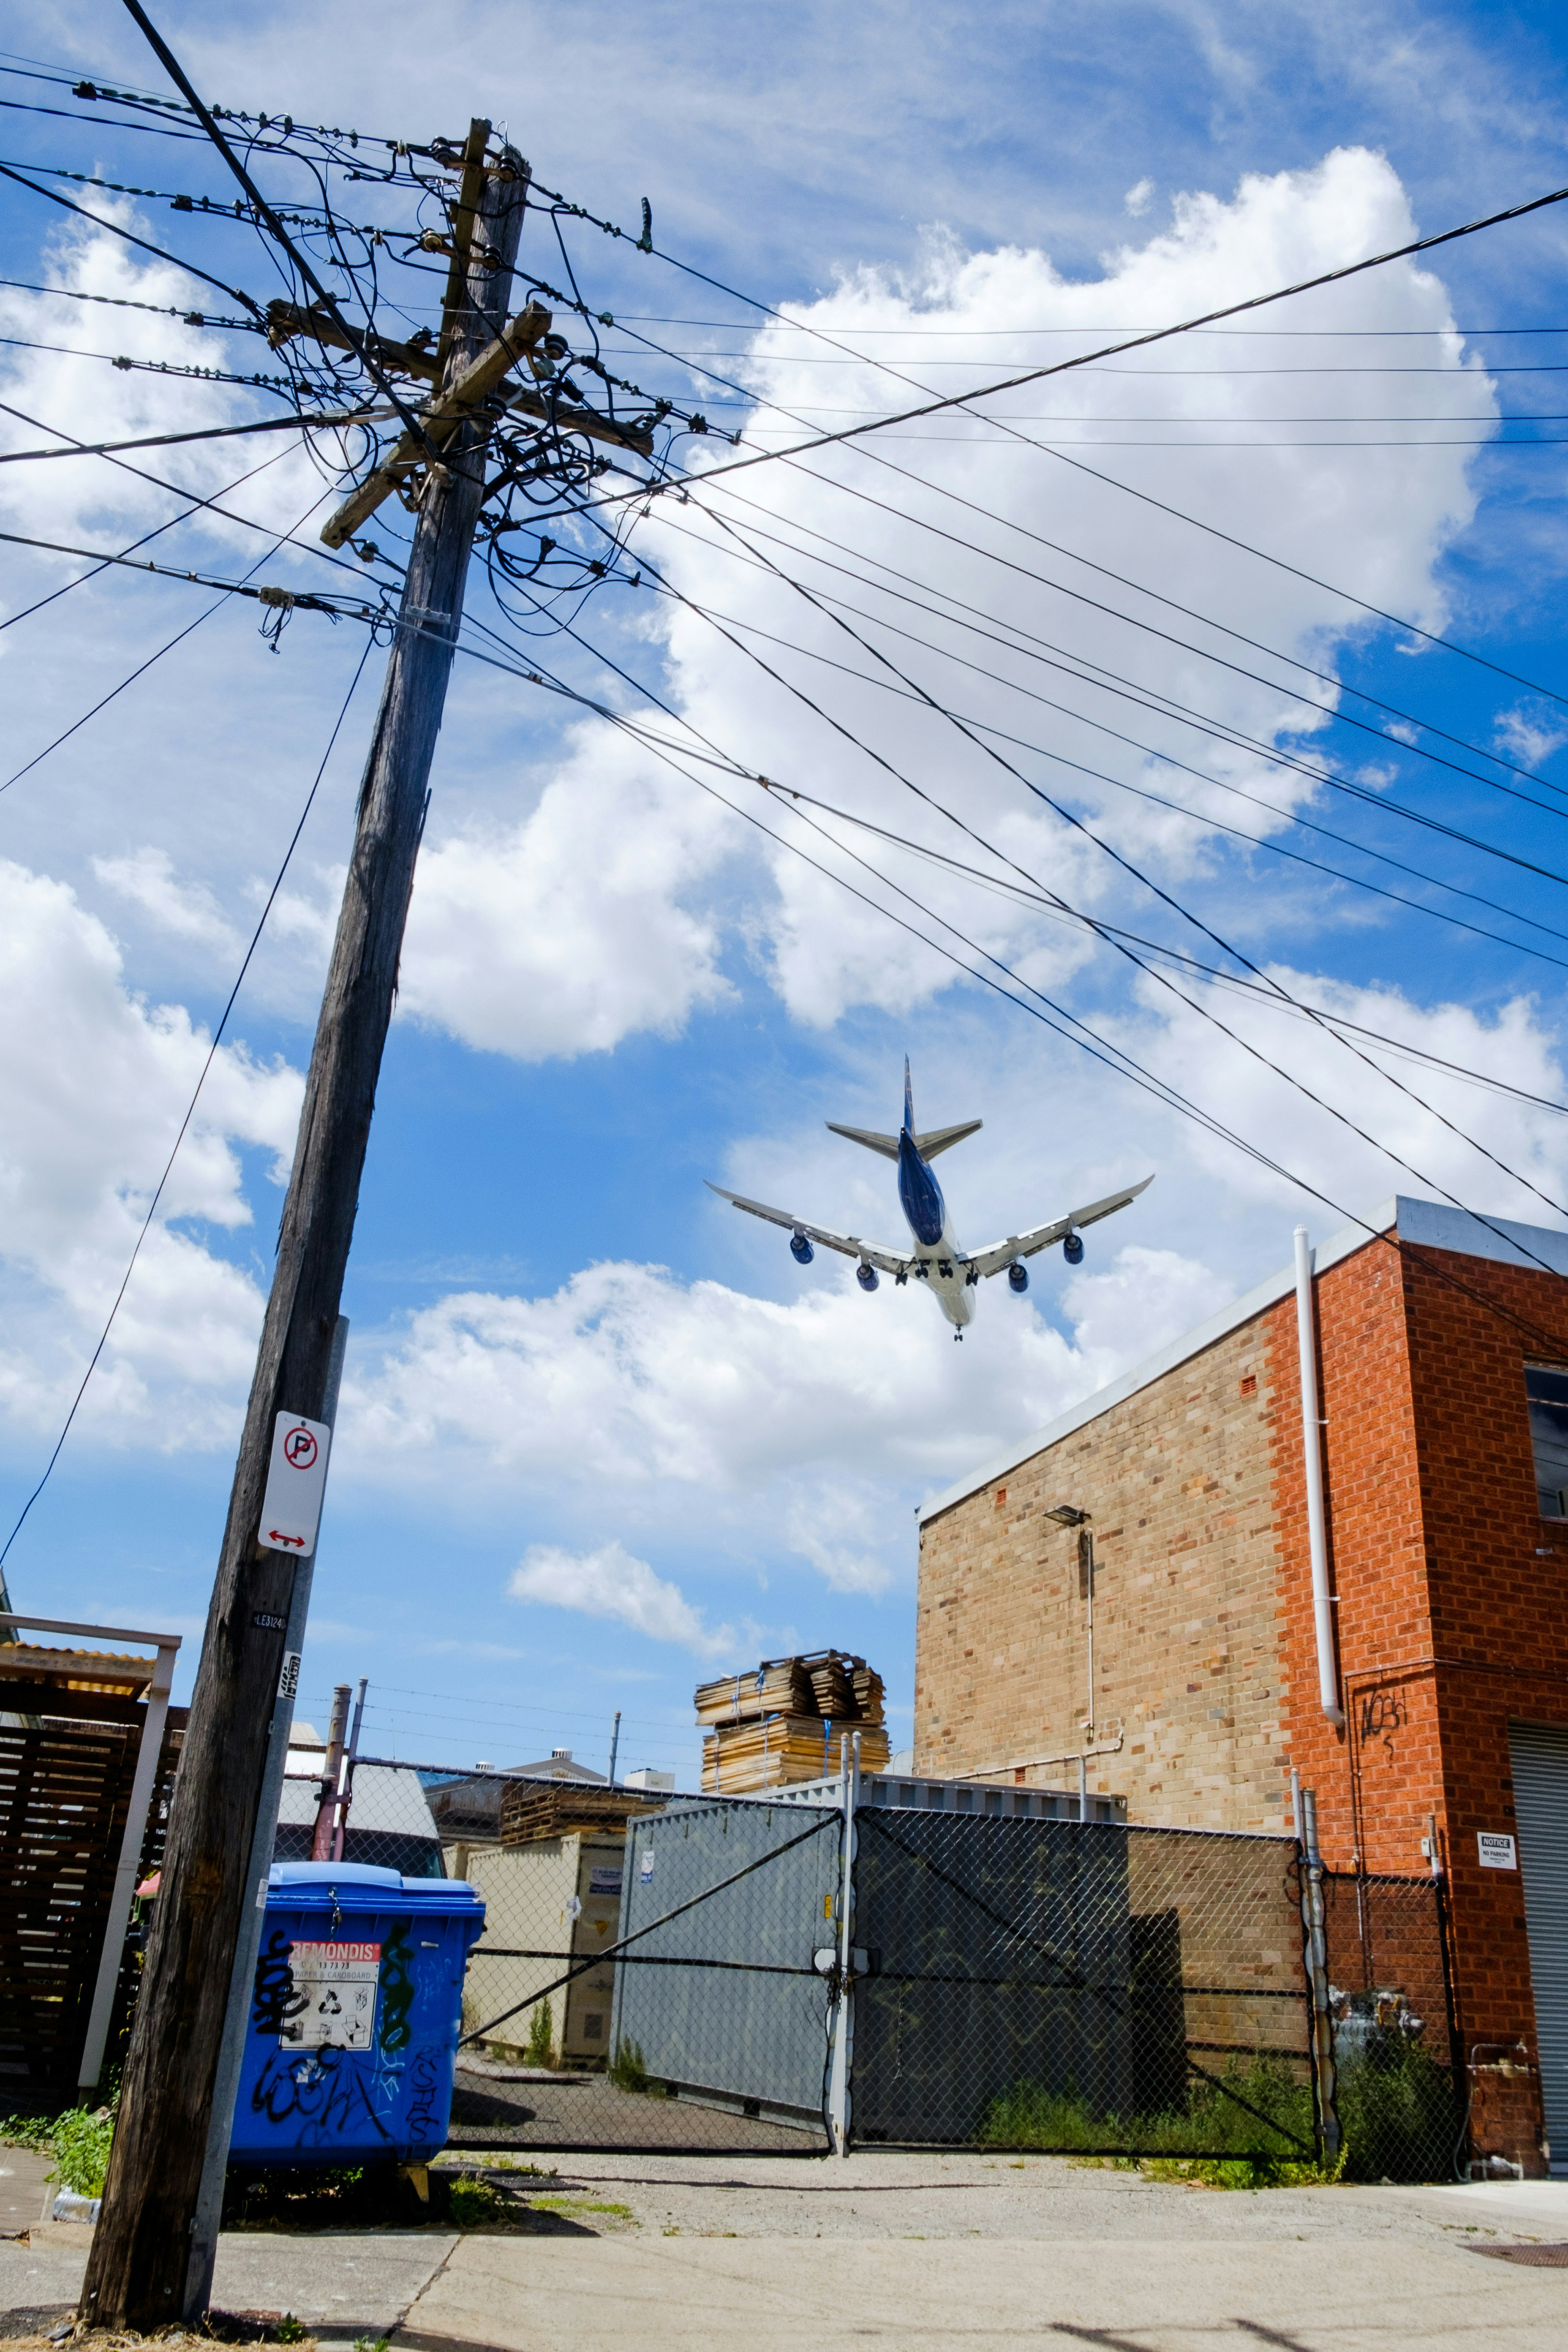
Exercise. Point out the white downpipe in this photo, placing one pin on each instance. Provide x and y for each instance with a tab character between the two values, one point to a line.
1312	1457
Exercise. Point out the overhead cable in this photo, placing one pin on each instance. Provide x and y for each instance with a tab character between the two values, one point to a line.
190	1110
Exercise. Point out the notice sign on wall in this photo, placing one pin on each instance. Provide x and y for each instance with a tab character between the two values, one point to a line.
1497	1849
333	2007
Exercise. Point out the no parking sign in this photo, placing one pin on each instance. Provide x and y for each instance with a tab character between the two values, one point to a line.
296	1481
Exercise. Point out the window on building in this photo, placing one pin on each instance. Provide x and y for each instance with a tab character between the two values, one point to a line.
1546	1387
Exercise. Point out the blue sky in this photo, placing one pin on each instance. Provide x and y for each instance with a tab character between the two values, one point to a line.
600	1436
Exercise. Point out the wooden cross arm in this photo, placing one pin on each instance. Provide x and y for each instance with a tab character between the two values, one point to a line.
286	319
583	420
439	423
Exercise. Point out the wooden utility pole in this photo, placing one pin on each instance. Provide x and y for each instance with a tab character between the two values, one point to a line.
137	2265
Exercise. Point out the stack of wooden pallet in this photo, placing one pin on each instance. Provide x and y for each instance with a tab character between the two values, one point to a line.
532	1809
786	1721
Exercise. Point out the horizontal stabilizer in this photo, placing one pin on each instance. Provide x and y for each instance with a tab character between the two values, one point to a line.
928	1146
888	1145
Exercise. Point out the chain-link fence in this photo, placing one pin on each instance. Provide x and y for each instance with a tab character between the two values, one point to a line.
661	1972
1399	2077
1079	1985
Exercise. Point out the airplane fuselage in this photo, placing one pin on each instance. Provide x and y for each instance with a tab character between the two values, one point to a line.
940	1262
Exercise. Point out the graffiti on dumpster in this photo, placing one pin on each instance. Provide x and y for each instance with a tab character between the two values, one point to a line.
277	1997
322	2092
424	2091
396	1989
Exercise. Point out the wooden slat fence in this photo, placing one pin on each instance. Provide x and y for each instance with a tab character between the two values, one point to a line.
65	1787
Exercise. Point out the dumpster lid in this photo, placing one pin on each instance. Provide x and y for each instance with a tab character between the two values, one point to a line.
344	1877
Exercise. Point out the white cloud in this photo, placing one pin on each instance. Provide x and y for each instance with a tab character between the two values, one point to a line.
181	911
1530	734
93	1085
74	394
565	933
952	513
1510	1045
1110	1312
615	1400
844	1533
1136	200
610	1582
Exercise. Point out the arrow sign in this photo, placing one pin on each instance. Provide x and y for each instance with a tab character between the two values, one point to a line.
296	1481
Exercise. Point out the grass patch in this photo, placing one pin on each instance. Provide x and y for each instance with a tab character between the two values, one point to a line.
474	2204
1246	2130
628	2072
79	2138
540	2048
1264	2133
1397	2114
573	2205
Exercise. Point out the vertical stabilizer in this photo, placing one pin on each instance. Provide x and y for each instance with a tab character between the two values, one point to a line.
909	1101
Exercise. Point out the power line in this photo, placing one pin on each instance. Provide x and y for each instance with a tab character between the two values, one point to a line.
1362	604
1061	912
102	221
1236	953
190	1107
1107	681
205	433
907	514
285	598
1079	665
146	538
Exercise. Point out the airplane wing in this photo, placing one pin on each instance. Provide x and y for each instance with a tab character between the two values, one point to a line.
894	1261
1002	1253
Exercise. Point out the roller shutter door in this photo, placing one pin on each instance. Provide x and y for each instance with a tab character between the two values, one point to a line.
1541	1800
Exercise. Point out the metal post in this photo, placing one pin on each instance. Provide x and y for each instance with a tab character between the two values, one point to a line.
130	1845
332	1776
1295	1803
844	2021
615	1745
237	2018
1315	1945
351	1759
1083	1788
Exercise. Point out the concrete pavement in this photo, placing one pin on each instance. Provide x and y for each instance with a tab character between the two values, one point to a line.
342	2285
664	2254
635	2294
933	2252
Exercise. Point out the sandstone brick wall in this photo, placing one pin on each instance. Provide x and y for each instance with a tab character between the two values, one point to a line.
1187	1604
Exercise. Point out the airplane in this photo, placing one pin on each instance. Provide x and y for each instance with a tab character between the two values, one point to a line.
951	1274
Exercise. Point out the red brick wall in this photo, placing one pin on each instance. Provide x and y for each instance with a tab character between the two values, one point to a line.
1452	1593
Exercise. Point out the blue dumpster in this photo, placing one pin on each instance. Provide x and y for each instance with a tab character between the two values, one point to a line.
354	2016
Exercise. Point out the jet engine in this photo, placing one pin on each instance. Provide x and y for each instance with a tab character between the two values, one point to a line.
1072	1249
866	1276
1017	1277
800	1249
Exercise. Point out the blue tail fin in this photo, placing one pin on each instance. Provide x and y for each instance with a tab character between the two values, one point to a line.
909	1101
